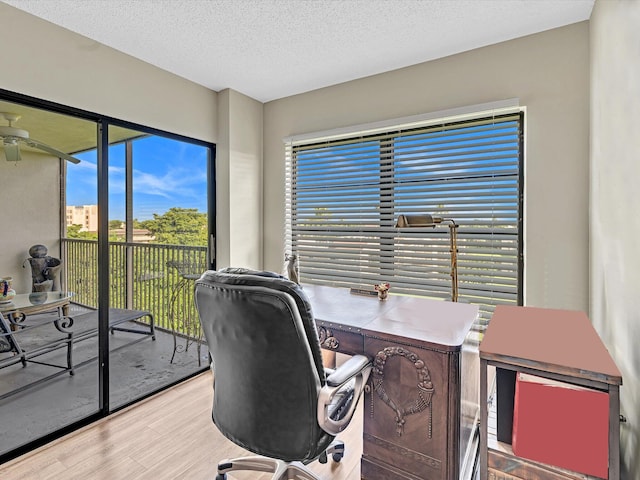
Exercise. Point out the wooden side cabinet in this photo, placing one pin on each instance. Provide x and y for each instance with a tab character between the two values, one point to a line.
556	344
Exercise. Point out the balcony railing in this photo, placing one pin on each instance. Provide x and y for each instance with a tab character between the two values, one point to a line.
157	278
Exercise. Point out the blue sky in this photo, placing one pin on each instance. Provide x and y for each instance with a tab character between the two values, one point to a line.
466	170
166	173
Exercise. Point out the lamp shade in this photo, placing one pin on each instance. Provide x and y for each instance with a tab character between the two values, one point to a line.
11	151
427	220
419	220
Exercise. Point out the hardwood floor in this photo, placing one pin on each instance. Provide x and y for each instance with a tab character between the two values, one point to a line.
168	436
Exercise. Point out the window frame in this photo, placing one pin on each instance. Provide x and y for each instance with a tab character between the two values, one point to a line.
388	243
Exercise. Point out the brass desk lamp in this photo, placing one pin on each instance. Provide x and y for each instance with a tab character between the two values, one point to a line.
426	220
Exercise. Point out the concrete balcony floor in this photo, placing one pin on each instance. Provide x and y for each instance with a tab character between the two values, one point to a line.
136	370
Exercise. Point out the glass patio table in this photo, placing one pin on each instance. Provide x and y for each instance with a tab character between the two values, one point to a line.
13	315
24	304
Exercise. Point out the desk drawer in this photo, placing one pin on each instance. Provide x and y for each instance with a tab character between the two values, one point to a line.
340	341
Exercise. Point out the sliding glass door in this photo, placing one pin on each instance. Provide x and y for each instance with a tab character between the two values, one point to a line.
48	377
124	227
158	246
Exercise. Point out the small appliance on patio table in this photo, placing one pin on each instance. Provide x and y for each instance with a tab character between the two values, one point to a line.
6	292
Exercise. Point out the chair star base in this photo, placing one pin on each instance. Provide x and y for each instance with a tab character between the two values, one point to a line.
281	470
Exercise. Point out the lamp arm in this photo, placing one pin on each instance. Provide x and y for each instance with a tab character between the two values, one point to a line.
453	250
427	220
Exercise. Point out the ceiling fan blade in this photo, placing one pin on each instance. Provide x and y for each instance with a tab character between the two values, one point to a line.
42	146
12	152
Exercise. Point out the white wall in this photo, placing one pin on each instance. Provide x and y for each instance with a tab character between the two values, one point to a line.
29	214
548	72
239	180
615	220
54	64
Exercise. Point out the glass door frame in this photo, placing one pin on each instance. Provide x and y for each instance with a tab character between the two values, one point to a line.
102	145
103	242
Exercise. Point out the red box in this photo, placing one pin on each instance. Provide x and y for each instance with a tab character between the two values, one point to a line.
561	424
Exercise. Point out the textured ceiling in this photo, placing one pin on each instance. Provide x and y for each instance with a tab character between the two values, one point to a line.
269	49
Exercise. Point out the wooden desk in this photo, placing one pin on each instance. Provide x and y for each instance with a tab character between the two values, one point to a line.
421	404
556	344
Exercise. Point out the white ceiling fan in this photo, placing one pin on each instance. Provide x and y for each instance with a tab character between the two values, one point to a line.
12	137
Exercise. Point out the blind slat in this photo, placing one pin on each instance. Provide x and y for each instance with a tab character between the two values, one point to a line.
344	196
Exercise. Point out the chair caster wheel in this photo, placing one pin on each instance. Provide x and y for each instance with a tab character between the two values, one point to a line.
337	457
221	476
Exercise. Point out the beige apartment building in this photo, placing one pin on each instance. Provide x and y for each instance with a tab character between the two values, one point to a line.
85	215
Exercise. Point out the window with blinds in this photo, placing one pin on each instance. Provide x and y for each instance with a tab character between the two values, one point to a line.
344	196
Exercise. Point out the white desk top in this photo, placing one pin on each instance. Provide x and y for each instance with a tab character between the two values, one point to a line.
439	322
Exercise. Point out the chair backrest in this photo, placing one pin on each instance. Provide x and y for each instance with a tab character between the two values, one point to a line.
266	361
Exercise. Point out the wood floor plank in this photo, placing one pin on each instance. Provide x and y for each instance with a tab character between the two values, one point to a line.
104	467
43	467
169	436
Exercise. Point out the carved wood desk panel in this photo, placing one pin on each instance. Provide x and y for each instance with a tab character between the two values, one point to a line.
421	404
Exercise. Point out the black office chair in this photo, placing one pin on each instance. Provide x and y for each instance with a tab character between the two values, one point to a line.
272	395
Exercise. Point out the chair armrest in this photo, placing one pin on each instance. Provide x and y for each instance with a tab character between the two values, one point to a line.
356	370
348	370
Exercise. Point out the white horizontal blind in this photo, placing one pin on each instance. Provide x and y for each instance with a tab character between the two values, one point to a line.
344	196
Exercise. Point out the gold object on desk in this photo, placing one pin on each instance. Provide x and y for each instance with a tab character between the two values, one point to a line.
426	220
421	405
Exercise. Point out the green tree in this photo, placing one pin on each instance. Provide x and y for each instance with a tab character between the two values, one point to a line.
178	226
73	231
